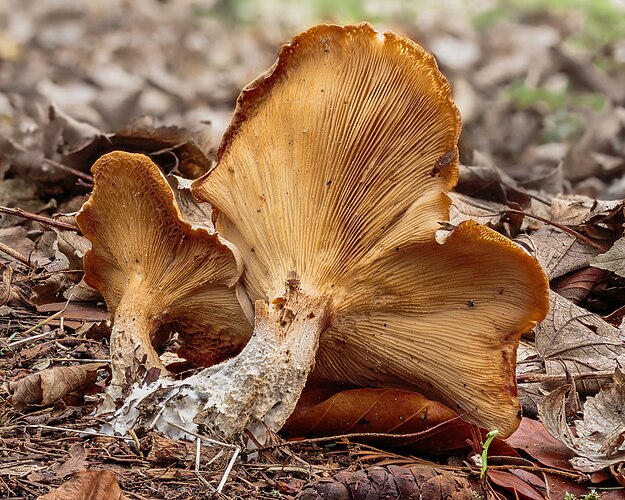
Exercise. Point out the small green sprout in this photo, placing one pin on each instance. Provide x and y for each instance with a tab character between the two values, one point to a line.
489	439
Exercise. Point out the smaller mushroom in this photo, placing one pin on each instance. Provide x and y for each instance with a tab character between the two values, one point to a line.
157	272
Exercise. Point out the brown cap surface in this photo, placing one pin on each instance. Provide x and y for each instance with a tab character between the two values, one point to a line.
142	247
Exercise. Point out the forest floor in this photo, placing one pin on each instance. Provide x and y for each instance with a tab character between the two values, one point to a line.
540	86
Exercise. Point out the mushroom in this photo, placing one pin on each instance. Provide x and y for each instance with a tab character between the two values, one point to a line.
156	271
331	184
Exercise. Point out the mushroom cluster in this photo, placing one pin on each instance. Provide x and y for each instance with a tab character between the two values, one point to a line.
327	199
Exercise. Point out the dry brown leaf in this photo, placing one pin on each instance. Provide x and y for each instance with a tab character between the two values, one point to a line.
533	438
47	386
76	462
574	340
488	213
490	183
88	485
390	411
613	260
599	439
557	252
520	487
172	148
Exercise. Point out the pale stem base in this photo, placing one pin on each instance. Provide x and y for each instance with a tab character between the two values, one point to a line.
260	386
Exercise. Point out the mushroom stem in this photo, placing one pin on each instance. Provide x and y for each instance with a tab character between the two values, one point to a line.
259	386
132	351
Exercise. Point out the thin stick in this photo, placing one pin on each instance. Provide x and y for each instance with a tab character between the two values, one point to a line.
29	339
33	328
15	254
564	228
18	212
529	378
71	170
361	435
203	438
198	444
572	475
78	360
222	483
77	431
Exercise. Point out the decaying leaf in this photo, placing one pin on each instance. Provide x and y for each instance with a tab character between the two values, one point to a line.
598	439
47	386
172	148
521	485
574	340
533	438
613	260
388	411
88	485
489	213
419	481
76	462
490	183
559	253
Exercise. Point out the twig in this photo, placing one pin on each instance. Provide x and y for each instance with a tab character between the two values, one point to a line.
198	444
284	468
29	339
77	431
564	228
529	378
79	360
18	212
33	328
204	438
215	458
222	483
71	170
573	475
361	435
15	254
135	439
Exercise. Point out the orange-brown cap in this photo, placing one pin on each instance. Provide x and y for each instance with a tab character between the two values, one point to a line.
334	172
143	250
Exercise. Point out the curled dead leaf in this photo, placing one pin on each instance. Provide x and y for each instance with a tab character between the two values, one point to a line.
573	340
88	485
388	411
47	386
599	439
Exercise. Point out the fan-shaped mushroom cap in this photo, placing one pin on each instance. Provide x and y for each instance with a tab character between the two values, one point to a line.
334	172
344	147
155	269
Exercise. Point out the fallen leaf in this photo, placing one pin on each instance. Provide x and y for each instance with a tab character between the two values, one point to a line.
47	386
577	285
485	212
557	252
389	411
490	183
535	440
573	340
613	260
88	485
76	462
598	439
76	311
172	148
519	486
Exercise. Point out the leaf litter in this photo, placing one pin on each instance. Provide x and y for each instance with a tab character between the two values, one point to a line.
543	162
